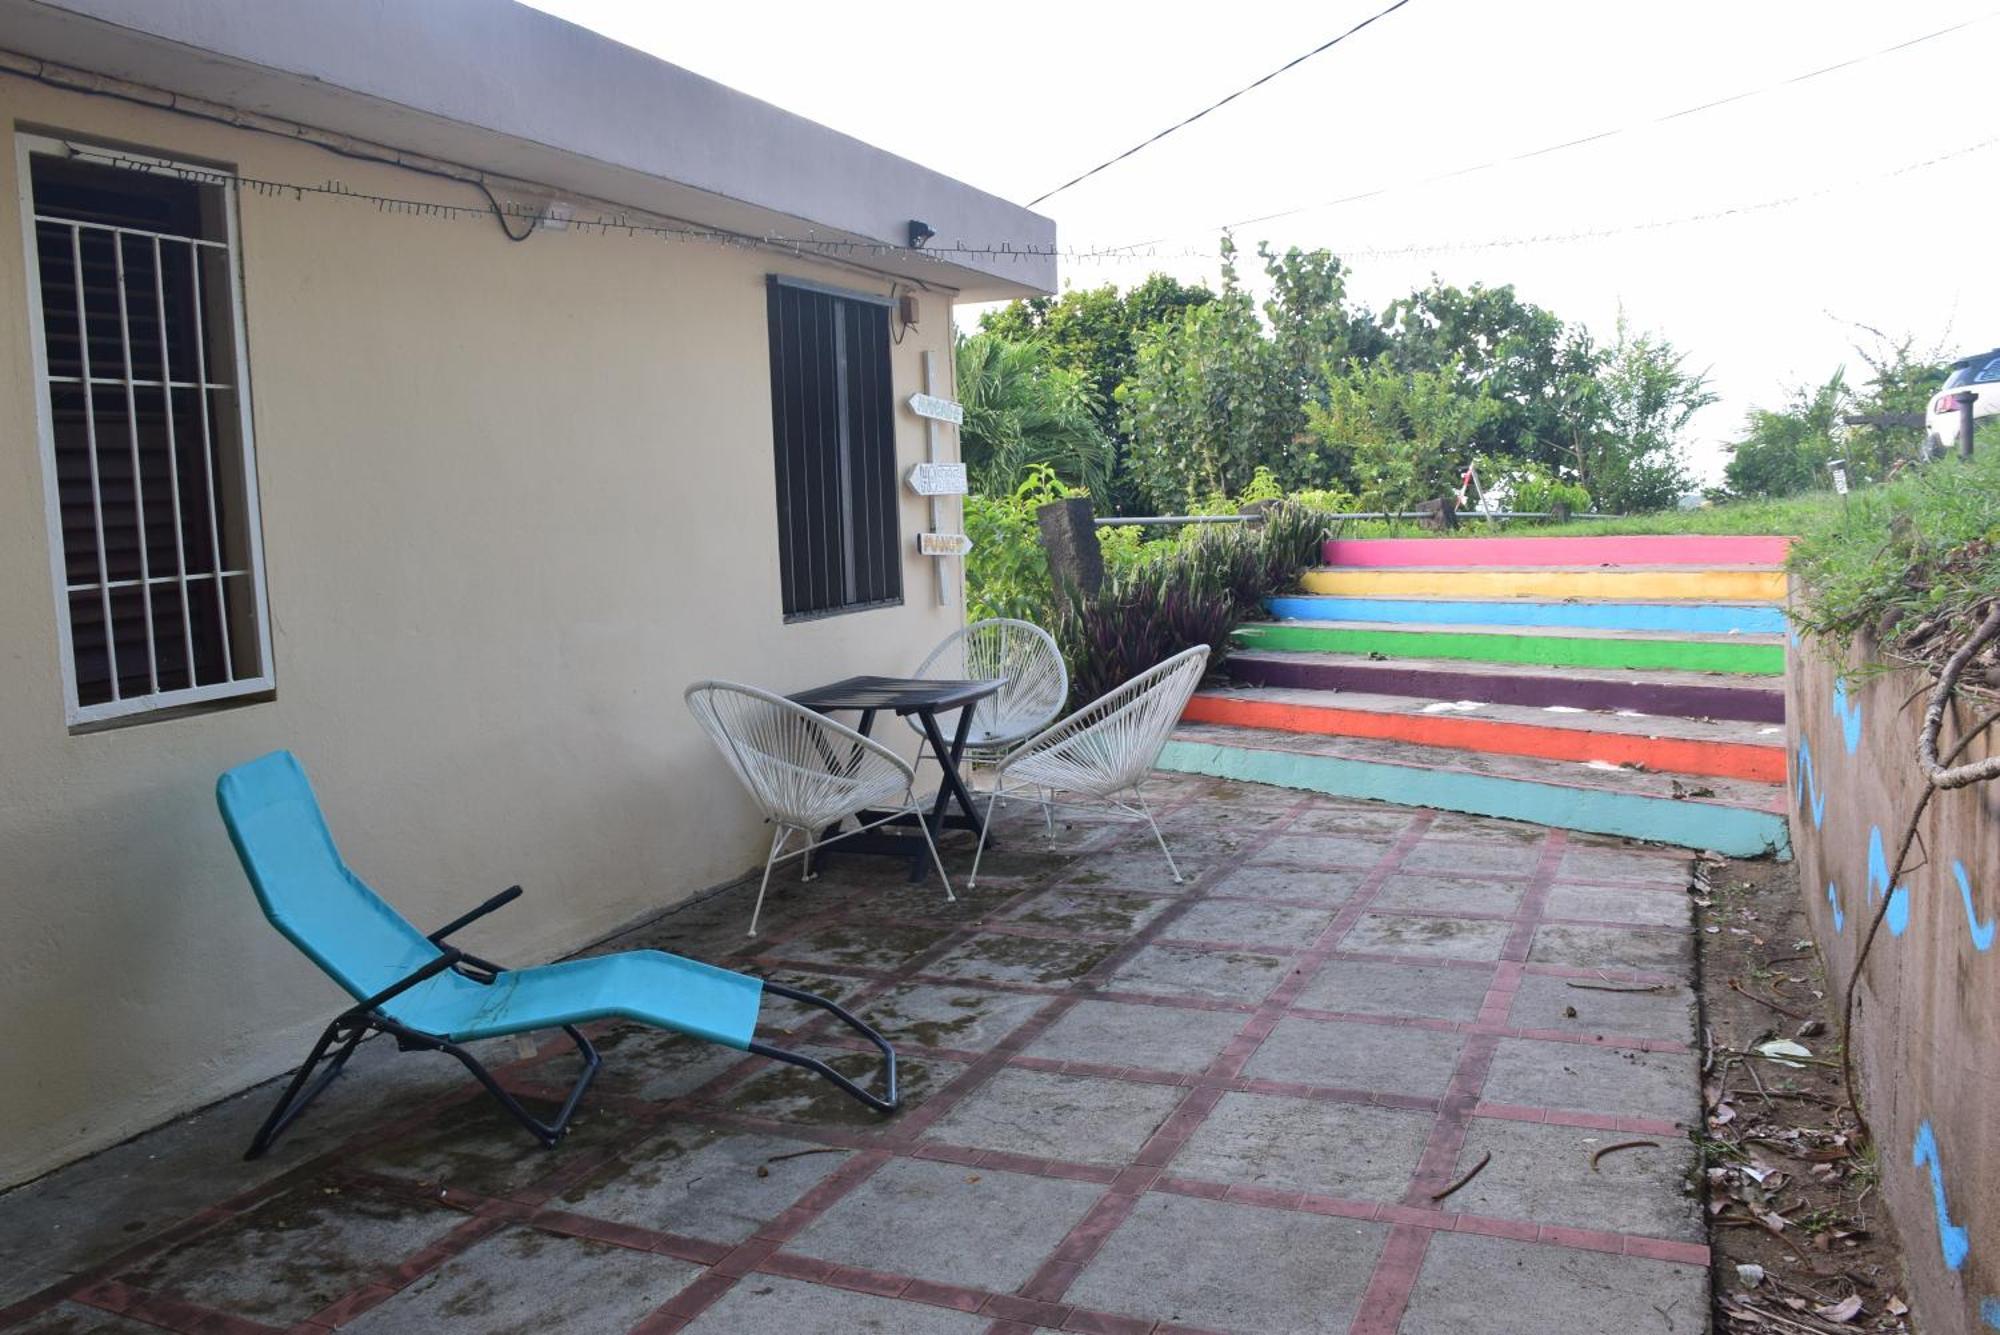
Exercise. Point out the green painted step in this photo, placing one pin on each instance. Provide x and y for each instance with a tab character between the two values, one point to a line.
1746	655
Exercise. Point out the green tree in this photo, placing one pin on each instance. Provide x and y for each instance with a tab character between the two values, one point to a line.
1901	379
1785	452
1631	458
1021	411
1402	437
1538	371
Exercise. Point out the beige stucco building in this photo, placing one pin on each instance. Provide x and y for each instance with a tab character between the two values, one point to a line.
482	507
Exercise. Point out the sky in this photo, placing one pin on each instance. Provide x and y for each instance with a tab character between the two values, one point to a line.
1764	237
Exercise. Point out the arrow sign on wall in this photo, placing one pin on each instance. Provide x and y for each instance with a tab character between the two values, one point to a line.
943	410
943	544
938	479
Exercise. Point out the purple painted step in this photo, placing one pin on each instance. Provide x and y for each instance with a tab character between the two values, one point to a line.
1680	695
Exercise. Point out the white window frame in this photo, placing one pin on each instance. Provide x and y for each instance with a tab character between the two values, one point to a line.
27	147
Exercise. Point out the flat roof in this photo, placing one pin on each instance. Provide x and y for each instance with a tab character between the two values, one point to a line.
509	90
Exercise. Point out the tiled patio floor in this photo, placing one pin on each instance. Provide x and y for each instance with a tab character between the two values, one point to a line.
1131	1105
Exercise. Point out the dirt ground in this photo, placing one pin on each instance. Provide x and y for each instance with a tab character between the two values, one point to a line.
1801	1240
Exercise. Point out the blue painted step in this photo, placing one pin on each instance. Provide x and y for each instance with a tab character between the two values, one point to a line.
1699	618
1731	817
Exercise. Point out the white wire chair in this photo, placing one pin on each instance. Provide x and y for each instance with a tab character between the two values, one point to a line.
1107	747
807	772
1026	658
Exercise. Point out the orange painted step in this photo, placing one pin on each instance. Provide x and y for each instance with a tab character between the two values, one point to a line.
1663	745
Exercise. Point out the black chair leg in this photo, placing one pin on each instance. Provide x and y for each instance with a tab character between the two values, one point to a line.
550	1133
298	1094
880	1103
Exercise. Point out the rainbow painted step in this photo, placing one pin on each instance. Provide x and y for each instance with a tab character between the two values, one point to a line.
1688	694
1751	655
1734	817
1643	550
1624	584
1562	733
1700	618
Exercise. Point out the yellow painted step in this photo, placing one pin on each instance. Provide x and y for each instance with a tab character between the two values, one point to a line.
1632	586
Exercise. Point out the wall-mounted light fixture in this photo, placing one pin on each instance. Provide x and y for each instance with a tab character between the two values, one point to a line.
920	232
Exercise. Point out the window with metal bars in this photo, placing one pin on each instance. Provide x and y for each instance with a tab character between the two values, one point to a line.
145	432
834	418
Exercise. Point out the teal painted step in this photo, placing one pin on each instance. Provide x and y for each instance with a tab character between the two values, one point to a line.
1748	824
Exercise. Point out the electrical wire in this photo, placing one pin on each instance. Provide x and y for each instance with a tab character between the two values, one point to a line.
1216	106
1596	137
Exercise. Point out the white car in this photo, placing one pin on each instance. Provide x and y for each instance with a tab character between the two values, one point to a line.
1980	374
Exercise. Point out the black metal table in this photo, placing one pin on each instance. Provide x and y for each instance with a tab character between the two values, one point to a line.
924	700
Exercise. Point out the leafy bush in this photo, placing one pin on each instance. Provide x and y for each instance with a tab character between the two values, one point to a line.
1024	411
1532	488
1007	572
1910	563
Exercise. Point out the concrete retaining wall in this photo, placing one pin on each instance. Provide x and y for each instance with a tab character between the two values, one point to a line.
1928	1036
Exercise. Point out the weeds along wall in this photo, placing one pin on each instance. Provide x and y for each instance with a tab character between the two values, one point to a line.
1927	1026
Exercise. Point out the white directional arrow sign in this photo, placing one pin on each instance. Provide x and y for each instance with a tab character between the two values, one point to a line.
943	410
939	479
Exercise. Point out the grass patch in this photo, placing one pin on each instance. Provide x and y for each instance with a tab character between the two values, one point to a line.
1911	564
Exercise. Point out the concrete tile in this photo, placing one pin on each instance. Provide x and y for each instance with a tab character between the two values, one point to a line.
861	945
1542	1174
476	1146
1325	852
1137	869
1641	908
1432	938
1541	1003
1485	827
1396	1059
777	1013
294	1254
1352	821
1020	959
1278	1271
940	1015
74	1219
1472	1285
1228	975
703	1182
1424	991
1336	1149
761	1304
520	1282
1449	894
1613	948
76	1319
1082	909
647	1063
1586	863
1190	845
1579	1077
1474	857
1248	922
948	1223
792	1094
1078	1118
1280	881
1152	1038
1240	819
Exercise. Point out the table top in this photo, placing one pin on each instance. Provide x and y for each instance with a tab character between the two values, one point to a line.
904	695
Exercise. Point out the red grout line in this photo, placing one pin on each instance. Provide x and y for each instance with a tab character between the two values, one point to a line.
161	1309
1391	1282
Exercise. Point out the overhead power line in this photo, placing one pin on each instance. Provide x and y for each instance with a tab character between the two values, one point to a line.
1214	106
1599	136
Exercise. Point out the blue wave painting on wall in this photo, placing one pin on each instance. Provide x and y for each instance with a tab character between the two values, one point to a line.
1982	932
1898	916
1989	1312
1809	783
1849	716
1952	1239
1833	898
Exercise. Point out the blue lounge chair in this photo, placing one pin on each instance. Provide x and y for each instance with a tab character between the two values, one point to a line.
431	997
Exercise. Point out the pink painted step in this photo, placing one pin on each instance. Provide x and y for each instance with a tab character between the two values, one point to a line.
1644	550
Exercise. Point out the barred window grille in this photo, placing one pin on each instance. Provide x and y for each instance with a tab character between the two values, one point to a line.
145	432
833	414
